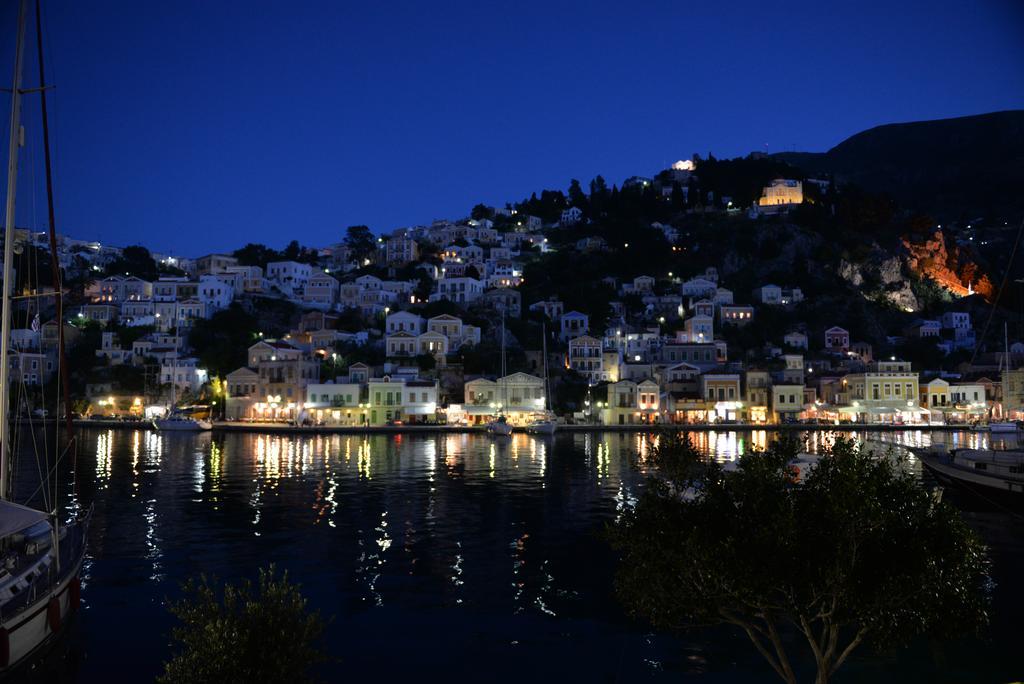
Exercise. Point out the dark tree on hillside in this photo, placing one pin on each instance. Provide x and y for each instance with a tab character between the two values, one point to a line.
33	268
858	554
480	212
296	252
577	197
255	254
222	341
134	260
599	196
360	242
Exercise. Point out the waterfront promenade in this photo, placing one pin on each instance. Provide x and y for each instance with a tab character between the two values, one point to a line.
286	428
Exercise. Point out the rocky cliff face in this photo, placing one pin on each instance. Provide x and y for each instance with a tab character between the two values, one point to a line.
881	274
944	262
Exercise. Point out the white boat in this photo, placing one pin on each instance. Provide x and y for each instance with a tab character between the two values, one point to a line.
988	473
542	427
175	421
182	424
40	553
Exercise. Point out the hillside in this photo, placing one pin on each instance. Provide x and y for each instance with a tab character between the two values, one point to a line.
952	169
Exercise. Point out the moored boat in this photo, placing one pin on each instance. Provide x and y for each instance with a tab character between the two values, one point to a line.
997	476
542	426
546	424
182	424
41	554
499	427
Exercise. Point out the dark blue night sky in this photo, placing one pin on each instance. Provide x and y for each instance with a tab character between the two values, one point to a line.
197	126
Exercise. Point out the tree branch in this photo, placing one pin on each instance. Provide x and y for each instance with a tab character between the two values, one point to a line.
752	635
849	649
780	650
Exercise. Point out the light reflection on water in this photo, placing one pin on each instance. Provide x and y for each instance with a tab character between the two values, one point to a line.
437	539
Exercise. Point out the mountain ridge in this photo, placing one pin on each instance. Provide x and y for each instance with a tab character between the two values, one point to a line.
953	168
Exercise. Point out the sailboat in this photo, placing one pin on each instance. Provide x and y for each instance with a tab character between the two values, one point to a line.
545	425
500	427
175	420
1006	426
40	555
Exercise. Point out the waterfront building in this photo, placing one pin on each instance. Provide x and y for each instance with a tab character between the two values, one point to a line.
888	392
787	403
518	396
630	403
334	404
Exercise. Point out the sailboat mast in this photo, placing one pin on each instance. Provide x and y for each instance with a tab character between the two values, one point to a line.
503	372
544	358
7	286
58	290
1006	344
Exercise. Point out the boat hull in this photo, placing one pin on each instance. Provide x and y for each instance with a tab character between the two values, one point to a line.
182	425
31	629
499	429
986	488
544	428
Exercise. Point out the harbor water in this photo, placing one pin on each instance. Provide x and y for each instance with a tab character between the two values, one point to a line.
433	554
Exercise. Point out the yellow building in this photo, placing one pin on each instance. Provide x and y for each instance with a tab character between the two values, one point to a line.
787	402
888	393
631	402
1013	392
722	393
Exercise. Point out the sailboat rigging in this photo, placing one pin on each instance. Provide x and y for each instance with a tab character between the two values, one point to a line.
500	425
40	557
545	425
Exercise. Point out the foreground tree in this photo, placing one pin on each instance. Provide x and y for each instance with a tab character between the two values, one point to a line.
858	553
265	634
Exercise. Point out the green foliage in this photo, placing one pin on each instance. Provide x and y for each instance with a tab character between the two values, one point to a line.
244	633
360	242
254	254
570	392
857	554
134	260
743	179
127	378
222	341
426	362
293	251
481	211
922	352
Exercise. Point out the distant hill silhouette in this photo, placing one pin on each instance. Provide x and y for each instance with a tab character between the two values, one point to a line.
950	168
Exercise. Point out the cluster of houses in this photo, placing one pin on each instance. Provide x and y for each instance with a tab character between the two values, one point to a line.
674	367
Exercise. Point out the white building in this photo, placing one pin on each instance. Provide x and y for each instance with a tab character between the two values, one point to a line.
573	324
289	276
571	216
404	321
459	290
215	293
183	373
